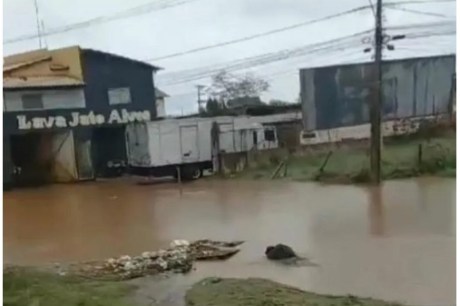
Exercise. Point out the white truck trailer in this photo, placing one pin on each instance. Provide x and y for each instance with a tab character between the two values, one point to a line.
160	148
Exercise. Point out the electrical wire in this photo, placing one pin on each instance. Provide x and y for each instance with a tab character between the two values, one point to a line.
249	66
243	39
139	10
210	73
278	54
191	74
372	8
416	2
419	12
259	35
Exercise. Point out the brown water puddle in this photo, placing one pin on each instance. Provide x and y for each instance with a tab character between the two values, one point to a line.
397	243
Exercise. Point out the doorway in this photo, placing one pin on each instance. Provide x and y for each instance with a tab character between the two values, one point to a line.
43	157
108	147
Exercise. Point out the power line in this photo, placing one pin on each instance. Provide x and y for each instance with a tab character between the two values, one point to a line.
419	12
250	65
247	66
416	2
358	55
139	10
263	34
372	7
282	53
287	28
423	25
335	44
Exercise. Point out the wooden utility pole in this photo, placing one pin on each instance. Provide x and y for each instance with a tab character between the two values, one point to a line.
376	103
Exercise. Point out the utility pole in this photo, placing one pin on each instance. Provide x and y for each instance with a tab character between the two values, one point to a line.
199	88
38	24
376	103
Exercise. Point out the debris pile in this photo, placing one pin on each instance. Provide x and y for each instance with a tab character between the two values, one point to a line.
178	258
214	250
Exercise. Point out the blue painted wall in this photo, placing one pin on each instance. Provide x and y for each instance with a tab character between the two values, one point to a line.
340	95
102	71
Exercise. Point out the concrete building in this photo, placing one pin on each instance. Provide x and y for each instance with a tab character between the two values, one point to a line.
339	96
160	101
65	112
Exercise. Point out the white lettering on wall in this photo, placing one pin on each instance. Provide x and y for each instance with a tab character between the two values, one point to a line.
78	119
115	117
23	124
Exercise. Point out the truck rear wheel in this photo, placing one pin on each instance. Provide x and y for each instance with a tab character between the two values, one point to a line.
191	172
197	173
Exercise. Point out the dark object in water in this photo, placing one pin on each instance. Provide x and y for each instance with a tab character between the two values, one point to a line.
279	251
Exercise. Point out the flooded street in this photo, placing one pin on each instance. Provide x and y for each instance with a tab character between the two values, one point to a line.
397	243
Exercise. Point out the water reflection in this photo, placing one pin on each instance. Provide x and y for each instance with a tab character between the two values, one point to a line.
376	211
397	242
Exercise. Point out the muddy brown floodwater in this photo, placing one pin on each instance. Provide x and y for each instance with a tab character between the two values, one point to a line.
396	243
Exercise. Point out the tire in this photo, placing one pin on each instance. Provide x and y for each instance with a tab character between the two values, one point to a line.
197	173
191	172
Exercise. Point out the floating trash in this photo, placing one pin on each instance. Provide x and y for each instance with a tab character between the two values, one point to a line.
178	258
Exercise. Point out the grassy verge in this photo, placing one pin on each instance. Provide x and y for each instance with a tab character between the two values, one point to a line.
29	287
260	292
400	159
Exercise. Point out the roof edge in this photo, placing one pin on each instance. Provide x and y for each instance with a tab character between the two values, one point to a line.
153	67
368	62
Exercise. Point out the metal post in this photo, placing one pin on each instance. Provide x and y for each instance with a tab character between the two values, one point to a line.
37	16
375	107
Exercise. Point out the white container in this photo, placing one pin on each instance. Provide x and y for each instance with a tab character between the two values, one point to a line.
159	148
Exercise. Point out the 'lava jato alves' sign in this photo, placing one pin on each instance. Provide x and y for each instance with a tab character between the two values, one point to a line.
77	119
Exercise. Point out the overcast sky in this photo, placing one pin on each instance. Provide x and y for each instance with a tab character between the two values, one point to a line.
189	24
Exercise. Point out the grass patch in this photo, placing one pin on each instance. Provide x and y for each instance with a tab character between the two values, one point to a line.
29	287
261	292
400	159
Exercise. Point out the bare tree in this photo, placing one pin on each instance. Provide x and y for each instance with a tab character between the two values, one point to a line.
226	86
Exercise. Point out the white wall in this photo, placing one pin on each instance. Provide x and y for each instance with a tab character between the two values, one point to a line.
52	99
161	110
363	131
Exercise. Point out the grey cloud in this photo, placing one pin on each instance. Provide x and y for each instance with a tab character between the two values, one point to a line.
205	22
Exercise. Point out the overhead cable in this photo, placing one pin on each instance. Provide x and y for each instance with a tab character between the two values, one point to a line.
135	11
259	35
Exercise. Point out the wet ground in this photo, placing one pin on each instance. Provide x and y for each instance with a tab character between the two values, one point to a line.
397	243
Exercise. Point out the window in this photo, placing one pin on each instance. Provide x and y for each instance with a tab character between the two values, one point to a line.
254	138
269	135
119	96
32	101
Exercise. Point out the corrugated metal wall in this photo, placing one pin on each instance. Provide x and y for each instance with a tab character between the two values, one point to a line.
339	96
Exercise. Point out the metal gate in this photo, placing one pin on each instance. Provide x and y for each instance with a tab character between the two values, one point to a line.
64	168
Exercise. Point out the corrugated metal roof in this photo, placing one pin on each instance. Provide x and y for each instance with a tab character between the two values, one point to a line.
40	81
18	65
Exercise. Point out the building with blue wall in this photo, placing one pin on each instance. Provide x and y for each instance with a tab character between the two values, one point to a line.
339	96
68	108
